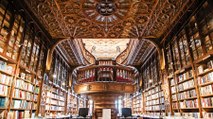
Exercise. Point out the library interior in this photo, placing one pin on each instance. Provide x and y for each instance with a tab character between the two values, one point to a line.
106	59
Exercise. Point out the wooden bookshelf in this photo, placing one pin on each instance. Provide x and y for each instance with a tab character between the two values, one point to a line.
127	103
189	59
55	91
137	104
154	101
72	103
22	58
153	97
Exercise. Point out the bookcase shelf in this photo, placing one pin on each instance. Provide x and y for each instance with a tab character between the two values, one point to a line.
72	103
189	58
19	54
205	72
153	96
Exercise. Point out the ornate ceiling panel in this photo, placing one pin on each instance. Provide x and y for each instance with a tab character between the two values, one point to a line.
70	52
106	18
105	48
139	52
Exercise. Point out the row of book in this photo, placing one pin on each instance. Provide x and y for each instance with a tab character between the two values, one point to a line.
4	90
152	91
57	91
187	94
25	76
54	96
55	102
35	98
155	108
175	105
207	115
207	102
55	108
206	90
206	78
174	97
19	114
22	94
186	85
152	102
5	67
3	102
173	89
162	99
154	96
205	67
21	104
21	84
5	79
156	113
185	75
189	104
191	115
172	82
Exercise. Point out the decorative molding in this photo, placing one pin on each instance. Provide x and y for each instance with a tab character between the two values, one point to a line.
128	19
100	87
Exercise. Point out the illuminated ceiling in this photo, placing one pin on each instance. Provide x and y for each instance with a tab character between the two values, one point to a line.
106	48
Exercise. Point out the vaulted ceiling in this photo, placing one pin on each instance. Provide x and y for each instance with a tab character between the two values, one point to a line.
108	19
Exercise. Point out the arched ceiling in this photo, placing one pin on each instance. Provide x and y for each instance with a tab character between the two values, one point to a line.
108	19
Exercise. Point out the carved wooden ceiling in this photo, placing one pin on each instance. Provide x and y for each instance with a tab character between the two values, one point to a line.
108	19
71	54
139	52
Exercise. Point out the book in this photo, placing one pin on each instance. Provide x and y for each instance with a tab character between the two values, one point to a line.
3	102
206	90
4	90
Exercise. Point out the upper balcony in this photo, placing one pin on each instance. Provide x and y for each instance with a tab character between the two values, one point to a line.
105	77
105	73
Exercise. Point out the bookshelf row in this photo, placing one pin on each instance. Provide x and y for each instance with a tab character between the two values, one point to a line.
190	65
154	100
23	80
189	71
137	103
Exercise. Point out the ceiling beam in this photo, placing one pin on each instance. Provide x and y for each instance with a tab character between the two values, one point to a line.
150	16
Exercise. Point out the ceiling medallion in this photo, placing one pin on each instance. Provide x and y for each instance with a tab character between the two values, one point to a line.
106	8
106	11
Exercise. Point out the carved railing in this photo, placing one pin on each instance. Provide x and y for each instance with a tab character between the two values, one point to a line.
105	73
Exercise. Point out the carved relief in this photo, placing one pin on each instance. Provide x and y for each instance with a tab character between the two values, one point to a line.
61	18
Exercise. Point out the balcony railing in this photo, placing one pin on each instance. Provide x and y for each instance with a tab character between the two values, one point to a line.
105	73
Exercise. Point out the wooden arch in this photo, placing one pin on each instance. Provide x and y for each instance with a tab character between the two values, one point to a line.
51	50
159	49
151	40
